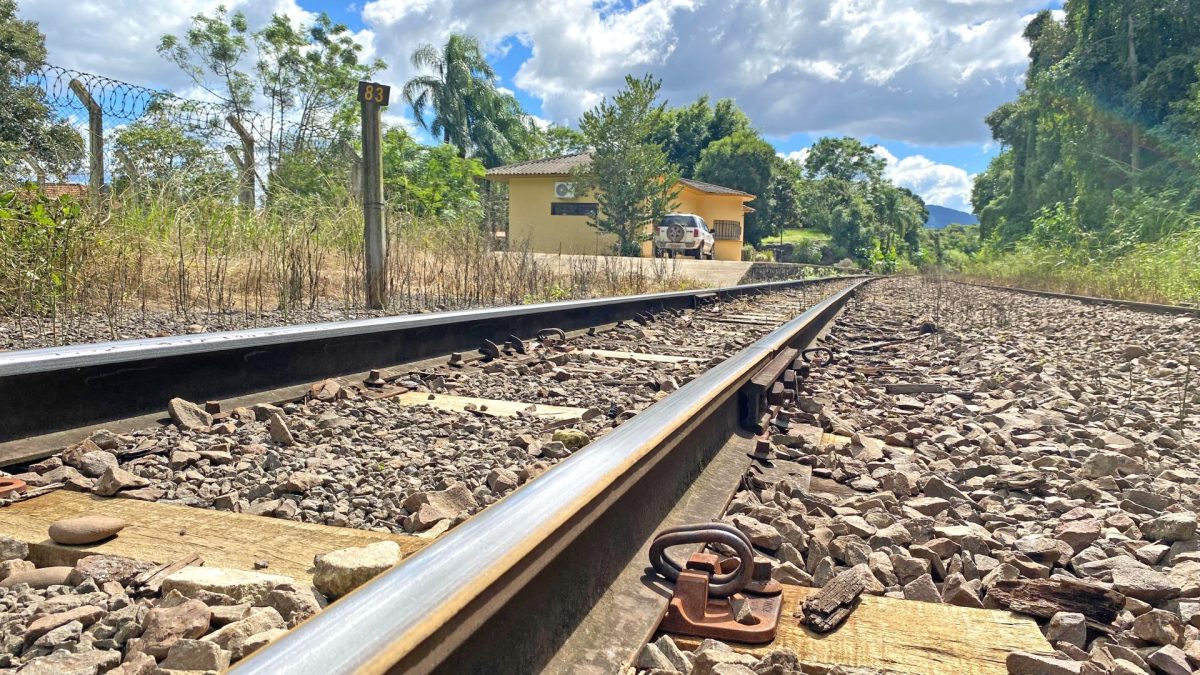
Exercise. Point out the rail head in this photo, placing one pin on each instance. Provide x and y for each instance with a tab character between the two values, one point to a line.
451	586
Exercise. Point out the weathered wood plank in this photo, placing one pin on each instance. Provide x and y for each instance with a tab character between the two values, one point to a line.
495	407
637	356
163	533
906	636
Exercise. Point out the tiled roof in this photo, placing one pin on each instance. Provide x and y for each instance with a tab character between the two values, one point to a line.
713	189
56	190
550	166
563	165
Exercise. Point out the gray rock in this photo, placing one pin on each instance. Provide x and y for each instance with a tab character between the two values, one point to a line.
241	585
66	663
188	415
1179	526
196	655
115	479
13	549
1145	584
1026	663
339	572
1171	660
1069	627
428	508
234	636
1159	627
279	431
93	464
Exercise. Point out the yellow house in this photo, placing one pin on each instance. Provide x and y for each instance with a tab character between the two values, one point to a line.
545	213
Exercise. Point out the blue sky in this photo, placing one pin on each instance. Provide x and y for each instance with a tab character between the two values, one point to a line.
917	78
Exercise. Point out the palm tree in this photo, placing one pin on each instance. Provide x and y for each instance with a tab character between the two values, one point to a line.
468	112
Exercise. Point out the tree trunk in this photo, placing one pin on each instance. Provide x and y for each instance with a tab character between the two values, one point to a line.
1135	151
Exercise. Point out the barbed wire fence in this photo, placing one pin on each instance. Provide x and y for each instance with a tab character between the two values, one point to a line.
240	135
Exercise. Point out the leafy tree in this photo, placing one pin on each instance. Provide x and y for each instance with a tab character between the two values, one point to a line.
845	159
464	107
784	196
429	181
29	129
162	157
214	47
634	182
555	141
727	120
685	132
1102	131
743	161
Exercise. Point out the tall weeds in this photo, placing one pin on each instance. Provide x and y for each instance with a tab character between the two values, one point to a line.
150	254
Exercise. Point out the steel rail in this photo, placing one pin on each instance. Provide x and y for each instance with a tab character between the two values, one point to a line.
1092	300
500	592
58	388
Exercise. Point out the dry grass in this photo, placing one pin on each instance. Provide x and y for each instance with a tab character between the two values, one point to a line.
152	253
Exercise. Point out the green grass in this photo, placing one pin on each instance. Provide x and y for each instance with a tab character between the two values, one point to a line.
799	237
1165	271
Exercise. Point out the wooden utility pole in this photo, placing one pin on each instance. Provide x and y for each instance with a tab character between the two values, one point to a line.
95	143
245	165
373	97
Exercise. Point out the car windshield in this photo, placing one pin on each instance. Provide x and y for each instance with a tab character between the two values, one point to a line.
667	221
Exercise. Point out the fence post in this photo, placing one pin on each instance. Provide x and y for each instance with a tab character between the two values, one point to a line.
95	142
373	97
245	165
356	167
38	173
127	165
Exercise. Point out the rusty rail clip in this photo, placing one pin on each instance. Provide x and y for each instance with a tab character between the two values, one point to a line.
546	335
708	597
818	350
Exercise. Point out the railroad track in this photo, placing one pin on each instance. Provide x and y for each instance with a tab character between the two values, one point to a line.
617	364
951	460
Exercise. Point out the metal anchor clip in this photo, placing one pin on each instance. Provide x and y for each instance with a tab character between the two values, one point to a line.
731	599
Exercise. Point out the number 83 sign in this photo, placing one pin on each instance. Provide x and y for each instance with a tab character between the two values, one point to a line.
371	92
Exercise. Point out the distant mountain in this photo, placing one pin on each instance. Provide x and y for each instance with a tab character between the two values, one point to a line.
941	216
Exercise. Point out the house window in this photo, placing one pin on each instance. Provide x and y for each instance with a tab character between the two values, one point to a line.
727	229
573	208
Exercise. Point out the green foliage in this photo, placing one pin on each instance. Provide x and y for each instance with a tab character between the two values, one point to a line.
743	161
685	132
29	129
213	48
843	159
429	181
634	182
465	107
162	157
555	141
39	248
869	219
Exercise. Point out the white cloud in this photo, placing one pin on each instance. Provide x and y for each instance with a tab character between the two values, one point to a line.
941	184
797	156
118	38
921	74
924	73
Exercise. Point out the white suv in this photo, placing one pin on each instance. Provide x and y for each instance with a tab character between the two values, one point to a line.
684	233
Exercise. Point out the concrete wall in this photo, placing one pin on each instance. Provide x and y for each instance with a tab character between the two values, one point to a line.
529	220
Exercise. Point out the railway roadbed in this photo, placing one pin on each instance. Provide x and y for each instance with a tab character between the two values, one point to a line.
266	511
1007	482
984	449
